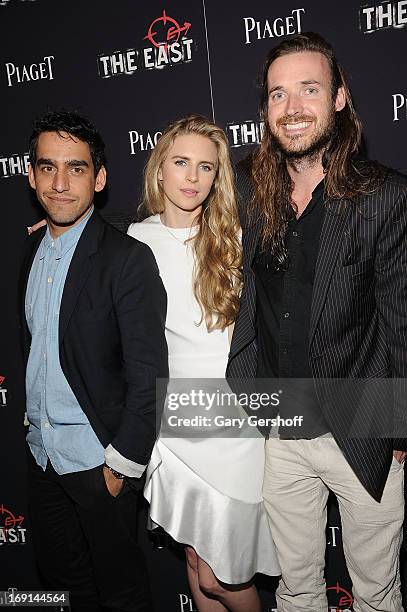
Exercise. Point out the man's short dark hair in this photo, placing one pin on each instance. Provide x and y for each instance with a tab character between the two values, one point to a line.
74	124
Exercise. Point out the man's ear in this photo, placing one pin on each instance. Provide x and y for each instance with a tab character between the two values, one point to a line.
31	177
340	100
100	179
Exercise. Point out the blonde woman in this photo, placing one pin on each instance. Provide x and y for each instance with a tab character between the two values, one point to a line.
205	492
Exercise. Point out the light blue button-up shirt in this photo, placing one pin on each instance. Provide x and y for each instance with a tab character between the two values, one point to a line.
59	429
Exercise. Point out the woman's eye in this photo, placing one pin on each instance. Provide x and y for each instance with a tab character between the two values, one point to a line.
180	162
206	167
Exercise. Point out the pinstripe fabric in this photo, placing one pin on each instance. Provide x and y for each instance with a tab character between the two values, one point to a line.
243	350
358	323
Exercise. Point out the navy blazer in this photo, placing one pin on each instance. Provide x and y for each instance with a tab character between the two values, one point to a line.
112	344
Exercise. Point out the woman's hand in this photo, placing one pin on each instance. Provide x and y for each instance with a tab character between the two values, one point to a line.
399	455
33	228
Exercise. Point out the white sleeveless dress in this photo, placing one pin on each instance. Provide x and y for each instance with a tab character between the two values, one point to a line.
204	492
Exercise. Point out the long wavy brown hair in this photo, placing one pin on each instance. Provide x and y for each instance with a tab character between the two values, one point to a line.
216	245
345	176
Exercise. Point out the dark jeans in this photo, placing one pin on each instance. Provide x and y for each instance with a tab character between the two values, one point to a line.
85	540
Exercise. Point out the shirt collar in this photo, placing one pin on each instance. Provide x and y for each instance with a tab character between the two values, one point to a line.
316	198
319	189
67	240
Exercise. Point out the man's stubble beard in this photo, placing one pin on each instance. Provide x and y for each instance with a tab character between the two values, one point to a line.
311	153
67	221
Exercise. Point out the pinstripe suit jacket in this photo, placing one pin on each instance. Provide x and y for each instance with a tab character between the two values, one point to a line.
358	326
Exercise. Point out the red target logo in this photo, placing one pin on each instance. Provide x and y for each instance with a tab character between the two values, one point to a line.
344	599
11	530
165	30
8	519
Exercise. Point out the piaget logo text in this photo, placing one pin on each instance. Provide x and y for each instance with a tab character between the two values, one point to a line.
30	72
274	27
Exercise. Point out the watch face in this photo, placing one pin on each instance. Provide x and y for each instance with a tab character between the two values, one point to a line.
117	474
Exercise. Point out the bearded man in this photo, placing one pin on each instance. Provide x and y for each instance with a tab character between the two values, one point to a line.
324	304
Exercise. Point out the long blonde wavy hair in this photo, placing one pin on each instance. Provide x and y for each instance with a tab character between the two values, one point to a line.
216	245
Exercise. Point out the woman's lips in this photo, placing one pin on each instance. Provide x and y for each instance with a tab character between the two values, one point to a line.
190	193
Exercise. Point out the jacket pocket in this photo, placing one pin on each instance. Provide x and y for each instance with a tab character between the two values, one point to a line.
95	314
359	267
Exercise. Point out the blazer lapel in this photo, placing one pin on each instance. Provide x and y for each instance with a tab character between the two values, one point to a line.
244	331
336	216
79	270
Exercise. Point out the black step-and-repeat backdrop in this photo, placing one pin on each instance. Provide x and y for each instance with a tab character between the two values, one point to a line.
133	67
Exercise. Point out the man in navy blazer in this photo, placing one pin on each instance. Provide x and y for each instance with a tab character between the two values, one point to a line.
93	310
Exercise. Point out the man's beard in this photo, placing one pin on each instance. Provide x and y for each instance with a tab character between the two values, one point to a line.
68	217
312	149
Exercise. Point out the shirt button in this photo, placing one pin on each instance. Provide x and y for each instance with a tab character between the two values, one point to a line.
286	315
46	424
49	279
295	234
